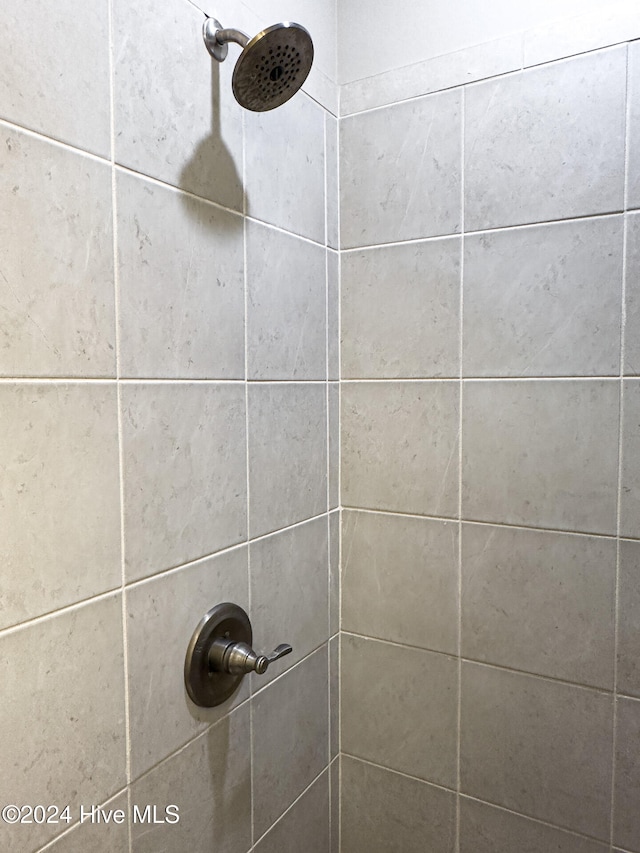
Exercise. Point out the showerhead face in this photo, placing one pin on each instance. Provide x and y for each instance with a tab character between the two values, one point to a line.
272	67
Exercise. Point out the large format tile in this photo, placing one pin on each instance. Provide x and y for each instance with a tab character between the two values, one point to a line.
384	811
626	830
290	592
210	783
286	306
537	747
162	614
401	311
543	454
56	282
333	314
547	143
400	579
55	79
92	836
541	602
632	329
175	115
62	718
290	738
400	446
305	826
334	698
284	156
544	301
630	496
287	454
334	572
181	285
633	197
334	444
60	533
400	172
487	829
334	769
184	473
629	619
419	741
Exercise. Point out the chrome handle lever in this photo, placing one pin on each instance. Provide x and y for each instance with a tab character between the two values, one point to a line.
240	658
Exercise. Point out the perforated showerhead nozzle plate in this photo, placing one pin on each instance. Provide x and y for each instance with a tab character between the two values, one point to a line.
272	67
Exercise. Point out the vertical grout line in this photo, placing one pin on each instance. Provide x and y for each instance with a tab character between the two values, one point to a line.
339	438
623	317
116	284
460	404
246	427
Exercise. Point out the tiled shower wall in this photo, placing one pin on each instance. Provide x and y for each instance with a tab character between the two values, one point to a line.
168	434
490	298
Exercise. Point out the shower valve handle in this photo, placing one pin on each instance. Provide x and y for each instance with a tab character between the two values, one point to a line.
225	655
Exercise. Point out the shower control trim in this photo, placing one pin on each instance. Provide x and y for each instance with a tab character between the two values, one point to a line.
220	655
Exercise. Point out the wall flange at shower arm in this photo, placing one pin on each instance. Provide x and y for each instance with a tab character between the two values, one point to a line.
273	64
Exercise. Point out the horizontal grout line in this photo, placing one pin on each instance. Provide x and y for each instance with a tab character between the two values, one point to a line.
57	143
90	380
489	665
67	608
77	823
469	83
398	772
434	379
261	689
587	533
499	229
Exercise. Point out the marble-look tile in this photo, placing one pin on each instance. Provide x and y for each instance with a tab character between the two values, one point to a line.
290	593
287	454
284	156
334	698
334	445
333	314
611	24
544	301
541	453
60	532
175	115
334	572
184	466
632	328
400	309
62	718
630	497
56	281
540	602
629	619
431	75
400	172
547	143
162	613
626	829
181	285
57	82
210	783
487	829
384	811
419	741
95	837
538	747
290	718
305	826
400	579
400	446
286	306
333	189
633	191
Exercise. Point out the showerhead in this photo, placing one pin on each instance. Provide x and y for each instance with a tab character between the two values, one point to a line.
272	67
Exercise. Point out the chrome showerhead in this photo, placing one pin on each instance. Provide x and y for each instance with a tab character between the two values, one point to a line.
272	67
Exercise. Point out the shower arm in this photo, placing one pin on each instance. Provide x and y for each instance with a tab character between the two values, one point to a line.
217	39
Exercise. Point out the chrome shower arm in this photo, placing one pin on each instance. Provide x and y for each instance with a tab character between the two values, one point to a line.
236	36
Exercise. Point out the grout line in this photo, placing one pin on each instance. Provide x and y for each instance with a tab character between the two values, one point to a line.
451	379
488	664
623	318
449	519
54	841
481	232
460	449
339	439
329	452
